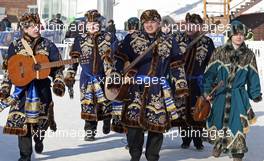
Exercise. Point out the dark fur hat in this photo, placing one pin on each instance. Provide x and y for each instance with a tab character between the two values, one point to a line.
193	18
93	16
150	15
133	23
27	19
237	27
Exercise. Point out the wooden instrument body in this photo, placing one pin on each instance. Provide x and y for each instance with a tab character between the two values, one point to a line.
118	92
202	109
203	106
22	69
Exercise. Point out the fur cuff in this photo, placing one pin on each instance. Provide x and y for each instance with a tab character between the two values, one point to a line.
258	99
182	92
176	64
69	79
88	117
58	87
15	131
5	90
75	54
118	128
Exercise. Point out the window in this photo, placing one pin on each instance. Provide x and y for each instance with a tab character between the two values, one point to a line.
33	8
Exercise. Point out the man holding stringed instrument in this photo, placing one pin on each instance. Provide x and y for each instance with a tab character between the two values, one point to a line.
149	103
31	105
196	60
99	47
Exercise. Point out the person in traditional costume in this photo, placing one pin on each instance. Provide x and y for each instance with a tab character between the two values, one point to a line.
31	106
150	107
232	114
98	47
196	60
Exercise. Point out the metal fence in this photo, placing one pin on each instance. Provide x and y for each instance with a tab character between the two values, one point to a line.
258	48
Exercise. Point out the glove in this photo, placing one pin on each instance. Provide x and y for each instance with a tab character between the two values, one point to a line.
58	88
7	102
4	92
257	99
69	78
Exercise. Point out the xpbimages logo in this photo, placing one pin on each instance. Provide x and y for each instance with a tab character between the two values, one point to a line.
116	79
191	132
190	27
63	133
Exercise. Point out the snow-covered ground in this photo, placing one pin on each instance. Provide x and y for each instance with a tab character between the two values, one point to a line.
60	146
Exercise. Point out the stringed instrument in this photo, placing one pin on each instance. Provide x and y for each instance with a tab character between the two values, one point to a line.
117	91
203	107
22	69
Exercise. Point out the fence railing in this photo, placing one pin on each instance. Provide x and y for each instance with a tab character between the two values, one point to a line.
258	48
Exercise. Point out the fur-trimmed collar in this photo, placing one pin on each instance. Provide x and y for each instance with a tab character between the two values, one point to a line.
157	34
237	55
229	47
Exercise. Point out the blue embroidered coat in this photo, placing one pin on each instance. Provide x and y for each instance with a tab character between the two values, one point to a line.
150	104
196	61
99	49
31	104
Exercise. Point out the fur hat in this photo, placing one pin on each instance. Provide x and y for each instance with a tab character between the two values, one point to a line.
150	15
133	23
237	27
93	16
193	18
28	19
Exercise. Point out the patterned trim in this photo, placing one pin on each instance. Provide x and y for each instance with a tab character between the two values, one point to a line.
164	46
213	63
253	68
139	43
233	144
238	144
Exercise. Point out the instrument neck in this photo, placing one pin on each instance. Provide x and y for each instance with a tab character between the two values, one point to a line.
220	84
134	63
59	63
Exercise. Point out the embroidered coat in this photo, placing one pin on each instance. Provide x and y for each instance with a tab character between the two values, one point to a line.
151	105
31	104
196	61
99	49
231	109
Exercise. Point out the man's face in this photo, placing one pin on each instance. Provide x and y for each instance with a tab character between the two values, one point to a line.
93	27
192	28
238	39
33	30
151	27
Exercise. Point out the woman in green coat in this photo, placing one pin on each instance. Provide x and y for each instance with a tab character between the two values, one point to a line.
231	113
